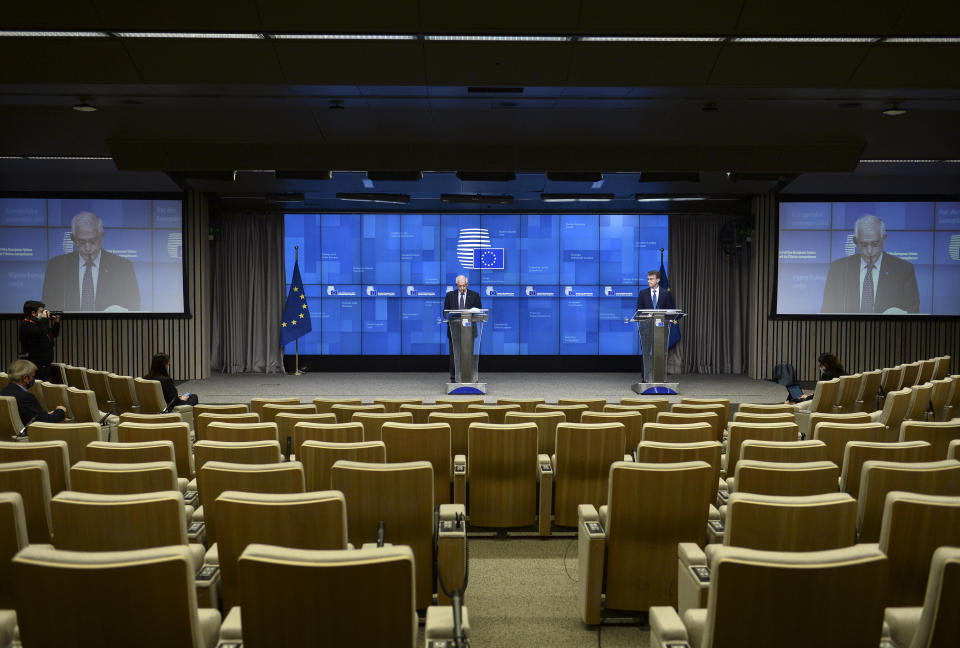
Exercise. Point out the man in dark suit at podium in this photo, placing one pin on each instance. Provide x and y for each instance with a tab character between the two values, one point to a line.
654	296
460	299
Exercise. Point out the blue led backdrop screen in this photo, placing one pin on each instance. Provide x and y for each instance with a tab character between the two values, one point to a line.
822	267
553	283
136	260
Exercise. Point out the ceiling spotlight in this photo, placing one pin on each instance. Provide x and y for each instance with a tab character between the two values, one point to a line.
85	107
894	110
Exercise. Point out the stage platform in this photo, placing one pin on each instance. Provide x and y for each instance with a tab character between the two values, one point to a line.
232	388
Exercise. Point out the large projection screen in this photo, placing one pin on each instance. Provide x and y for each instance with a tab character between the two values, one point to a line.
375	282
911	248
133	249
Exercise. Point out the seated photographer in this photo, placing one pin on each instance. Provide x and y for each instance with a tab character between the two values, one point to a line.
22	374
159	370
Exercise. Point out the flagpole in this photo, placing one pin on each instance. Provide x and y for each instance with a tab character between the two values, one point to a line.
296	361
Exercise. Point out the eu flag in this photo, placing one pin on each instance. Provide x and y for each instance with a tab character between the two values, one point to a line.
488	258
296	315
675	328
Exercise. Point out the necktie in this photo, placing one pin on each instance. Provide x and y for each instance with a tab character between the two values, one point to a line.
654	298
866	297
462	304
86	292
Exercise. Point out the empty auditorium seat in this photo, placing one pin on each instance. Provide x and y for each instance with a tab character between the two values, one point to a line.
421	412
571	412
784	451
837	435
318	458
177	433
392	405
460	423
344	413
123	478
407	442
328	432
857	453
783	479
202	420
31	479
54	453
77	436
937	434
581	466
495	413
526	404
936	624
679	432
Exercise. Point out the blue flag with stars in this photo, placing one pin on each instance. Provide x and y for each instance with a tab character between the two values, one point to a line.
296	315
675	328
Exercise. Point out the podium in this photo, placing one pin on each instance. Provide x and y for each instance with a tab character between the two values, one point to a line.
654	328
466	327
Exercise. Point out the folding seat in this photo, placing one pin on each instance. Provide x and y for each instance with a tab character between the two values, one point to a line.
318	458
632	424
765	408
269	411
77	436
740	432
942	368
76	377
245	452
936	624
679	432
150	397
325	405
708	451
770	523
952	407
202	420
706	417
503	468
123	478
495	413
836	436
953	450
58	373
894	410
754	417
460	403
32	480
784	451
373	421
724	418
662	404
315	520
459	424
571	412
287	421
37	390
132	453
401	496
98	383
651	508
881	477
911	372
927	368
327	432
857	453
152	419
842	591
238	432
593	404
177	433
220	408
690	408
783	479
99	598
407	442
648	412
330	594
10	423
824	397
937	434
217	476
890	381
581	466
344	413
83	405
526	404
847	393
919	405
55	395
257	403
868	400
421	412
821	417
912	527
392	405
939	394
54	453
13	538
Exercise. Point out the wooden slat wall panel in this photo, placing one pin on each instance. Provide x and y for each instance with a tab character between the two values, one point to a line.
125	346
861	345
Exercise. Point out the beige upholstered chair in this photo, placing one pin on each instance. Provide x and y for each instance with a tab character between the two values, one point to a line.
150	397
373	421
459	424
248	452
54	453
526	404
325	405
123	478
881	477
571	412
581	466
784	451
98	383
837	435
83	404
546	423
220	408
55	395
77	436
651	508
927	368
770	523
240	432
37	390
783	479
936	623
459	403
31	479
287	421
847	393
679	432
315	520
953	450
868	399
327	432
421	412
740	432
911	373
76	377
708	451
722	410
10	423
858	453
13	538
674	418
942	368
269	411
724	418
843	589
217	476
816	418
401	496
824	397
318	458
130	453
912	528
407	442
937	434
890	380
765	408
344	413
152	419
917	409
593	404
632	424
939	394
50	581
495	413
177	433
256	404
662	404
760	417
648	412
203	419
392	405
952	408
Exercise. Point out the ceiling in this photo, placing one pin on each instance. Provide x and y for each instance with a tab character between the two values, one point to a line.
172	111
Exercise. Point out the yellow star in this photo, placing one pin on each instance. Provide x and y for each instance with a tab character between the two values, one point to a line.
295	289
302	296
301	315
304	306
294	322
283	324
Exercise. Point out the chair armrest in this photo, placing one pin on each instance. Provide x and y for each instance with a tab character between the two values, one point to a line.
197	514
439	625
693	577
591	550
902	623
545	477
196	532
451	549
666	628
628	457
460	479
715	514
690	554
232	629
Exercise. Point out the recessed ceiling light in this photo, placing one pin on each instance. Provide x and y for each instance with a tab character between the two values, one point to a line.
894	110
84	107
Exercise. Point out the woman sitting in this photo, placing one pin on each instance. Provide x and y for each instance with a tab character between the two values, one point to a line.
159	370
830	368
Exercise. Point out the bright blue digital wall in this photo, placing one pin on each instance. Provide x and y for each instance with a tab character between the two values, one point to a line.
375	283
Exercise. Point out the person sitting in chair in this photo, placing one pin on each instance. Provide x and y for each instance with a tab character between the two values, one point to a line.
159	370
22	374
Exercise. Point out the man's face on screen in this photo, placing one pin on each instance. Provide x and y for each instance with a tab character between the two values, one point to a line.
869	244
653	281
87	240
461	284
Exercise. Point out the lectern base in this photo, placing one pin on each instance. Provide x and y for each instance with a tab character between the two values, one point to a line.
466	388
655	388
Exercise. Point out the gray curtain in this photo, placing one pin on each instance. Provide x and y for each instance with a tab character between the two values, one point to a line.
712	287
248	292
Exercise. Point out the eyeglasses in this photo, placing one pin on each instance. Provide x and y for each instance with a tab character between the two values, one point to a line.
869	244
86	241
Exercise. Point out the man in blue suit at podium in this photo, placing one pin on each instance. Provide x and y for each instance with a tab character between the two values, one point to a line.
459	299
654	296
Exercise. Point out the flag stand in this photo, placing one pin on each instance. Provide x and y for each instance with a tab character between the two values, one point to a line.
296	360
